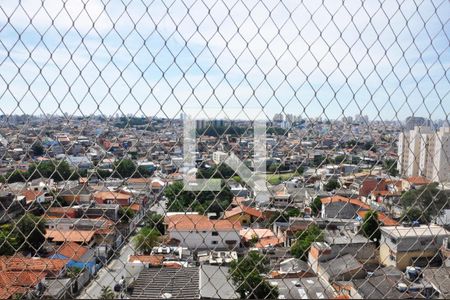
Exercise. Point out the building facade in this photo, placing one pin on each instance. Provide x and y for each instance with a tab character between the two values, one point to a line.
423	152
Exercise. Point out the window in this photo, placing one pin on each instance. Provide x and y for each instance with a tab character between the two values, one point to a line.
214	242
393	240
214	233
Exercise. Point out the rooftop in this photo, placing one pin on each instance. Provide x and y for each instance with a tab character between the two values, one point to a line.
156	283
185	222
422	231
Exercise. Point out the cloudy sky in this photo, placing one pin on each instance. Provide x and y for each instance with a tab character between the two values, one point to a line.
385	59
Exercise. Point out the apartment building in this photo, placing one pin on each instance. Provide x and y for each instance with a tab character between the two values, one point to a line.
423	152
405	246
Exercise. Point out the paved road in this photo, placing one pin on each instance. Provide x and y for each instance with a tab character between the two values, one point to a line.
109	275
113	272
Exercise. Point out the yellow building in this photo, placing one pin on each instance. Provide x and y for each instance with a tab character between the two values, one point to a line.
402	246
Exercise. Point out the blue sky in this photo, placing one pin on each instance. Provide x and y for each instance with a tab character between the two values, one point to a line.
384	59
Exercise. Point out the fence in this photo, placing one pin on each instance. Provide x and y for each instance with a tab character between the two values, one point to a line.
224	149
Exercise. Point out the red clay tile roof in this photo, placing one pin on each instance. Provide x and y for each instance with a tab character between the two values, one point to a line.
31	195
418	180
77	236
184	222
112	196
14	263
9	291
153	260
243	210
72	250
20	278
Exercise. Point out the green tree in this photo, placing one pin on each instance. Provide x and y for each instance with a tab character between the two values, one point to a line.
413	214
293	212
304	239
246	276
30	232
300	170
146	239
107	293
390	165
143	171
8	240
126	215
199	201
428	198
17	176
156	221
371	226
38	149
332	185
278	216
125	168
316	206
340	159
54	169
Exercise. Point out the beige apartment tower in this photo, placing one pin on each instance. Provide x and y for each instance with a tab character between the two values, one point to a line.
423	152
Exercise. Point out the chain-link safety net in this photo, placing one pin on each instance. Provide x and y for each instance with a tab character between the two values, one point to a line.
224	149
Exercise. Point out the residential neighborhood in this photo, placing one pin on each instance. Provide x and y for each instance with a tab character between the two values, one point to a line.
92	213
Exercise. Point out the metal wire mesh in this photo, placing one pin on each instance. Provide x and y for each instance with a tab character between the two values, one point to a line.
224	149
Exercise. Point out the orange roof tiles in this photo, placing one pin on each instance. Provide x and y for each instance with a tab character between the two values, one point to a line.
111	195
243	210
9	291
184	222
153	260
381	217
418	180
72	250
272	241
20	278
261	233
77	236
14	263
31	195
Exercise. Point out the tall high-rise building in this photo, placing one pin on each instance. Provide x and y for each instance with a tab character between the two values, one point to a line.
423	152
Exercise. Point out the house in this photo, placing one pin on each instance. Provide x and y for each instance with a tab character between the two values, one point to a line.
96	210
344	241
154	283
10	206
264	237
51	268
348	208
439	278
109	197
380	285
402	246
303	288
32	196
243	214
339	268
293	268
81	193
14	283
82	237
200	232
79	256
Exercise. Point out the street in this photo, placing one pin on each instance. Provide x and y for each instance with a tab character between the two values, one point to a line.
109	275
